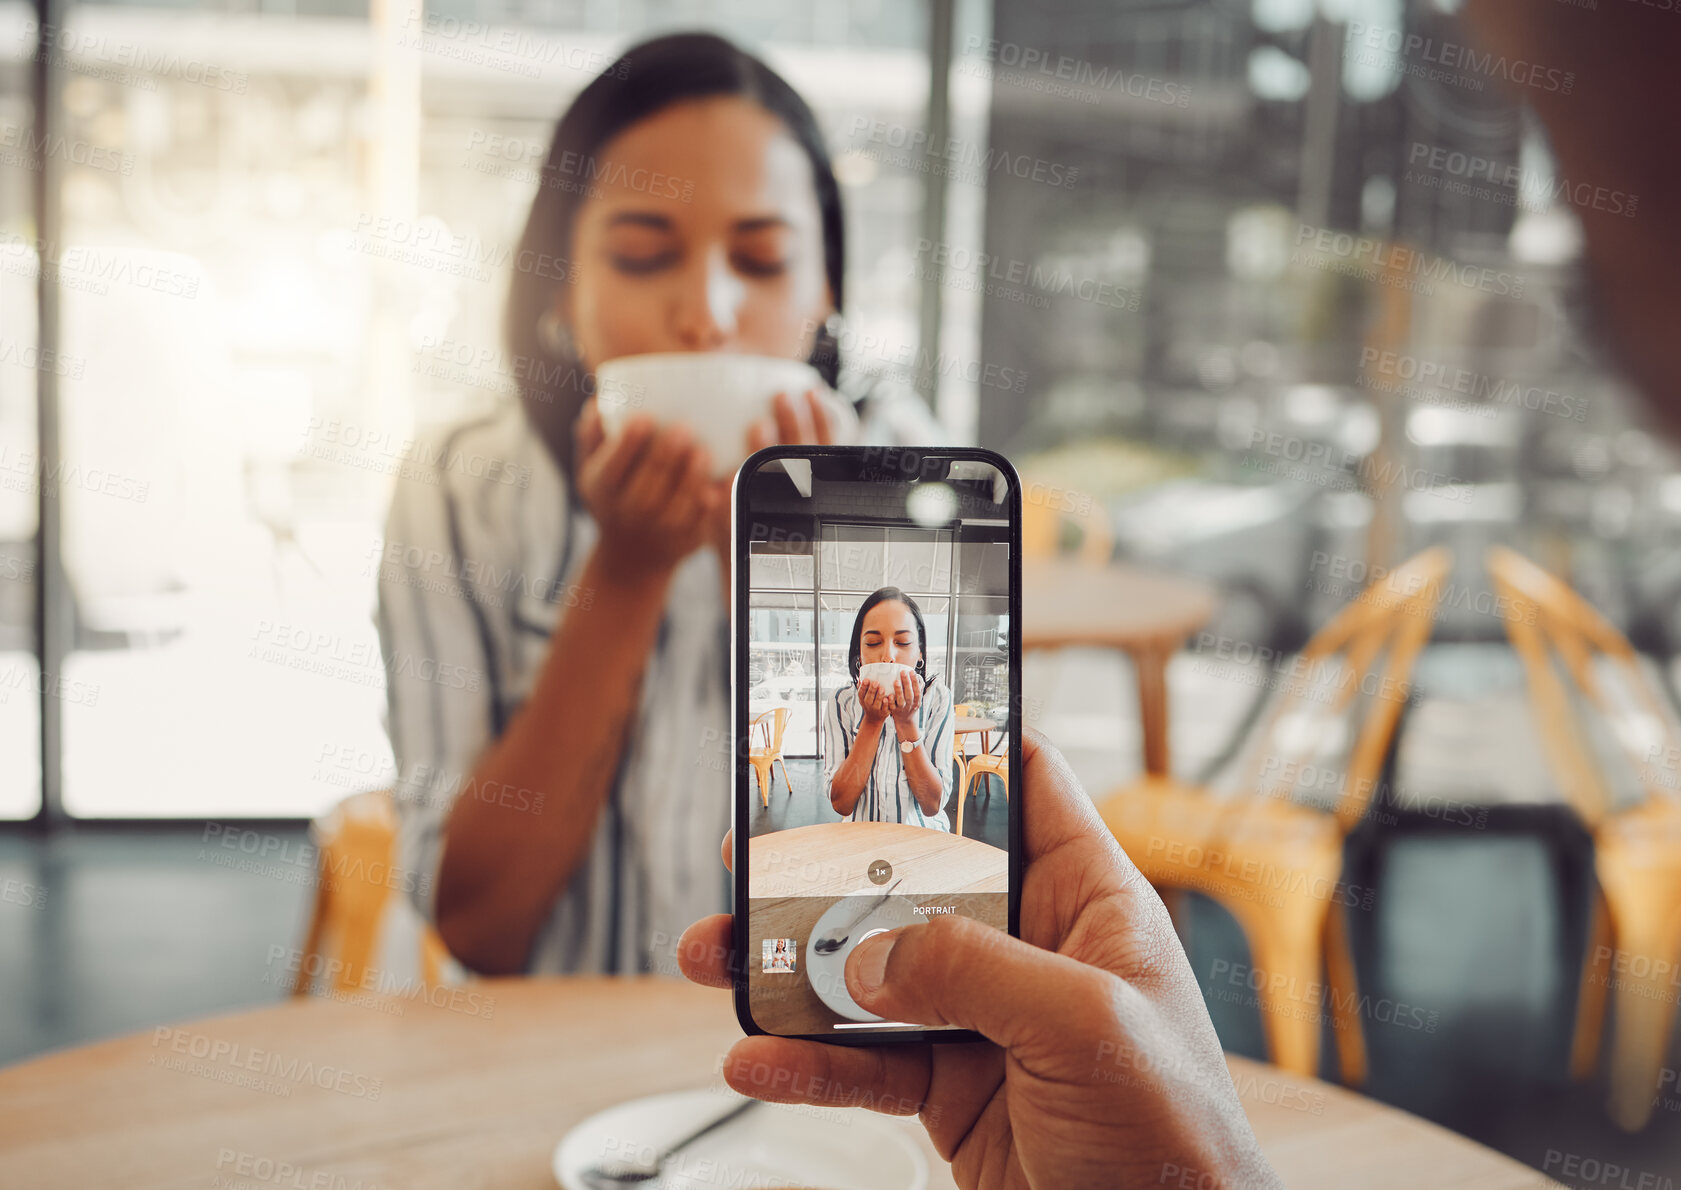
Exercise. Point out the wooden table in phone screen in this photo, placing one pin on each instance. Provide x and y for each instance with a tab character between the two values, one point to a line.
796	875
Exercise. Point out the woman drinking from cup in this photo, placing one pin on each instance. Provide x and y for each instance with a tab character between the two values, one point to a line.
888	751
554	619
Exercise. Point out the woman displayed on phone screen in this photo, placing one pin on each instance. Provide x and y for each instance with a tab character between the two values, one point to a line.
888	744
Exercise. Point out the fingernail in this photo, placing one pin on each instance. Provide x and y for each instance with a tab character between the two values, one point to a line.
872	961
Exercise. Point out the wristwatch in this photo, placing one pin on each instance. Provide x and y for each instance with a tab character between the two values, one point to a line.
905	746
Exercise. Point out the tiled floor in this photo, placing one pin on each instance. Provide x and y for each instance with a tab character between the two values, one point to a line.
105	931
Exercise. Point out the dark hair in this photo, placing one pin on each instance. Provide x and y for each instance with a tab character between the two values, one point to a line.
647	78
886	595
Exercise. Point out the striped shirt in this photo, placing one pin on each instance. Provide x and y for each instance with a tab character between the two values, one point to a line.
888	796
480	562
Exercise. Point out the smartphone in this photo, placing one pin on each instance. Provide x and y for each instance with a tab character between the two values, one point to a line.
876	675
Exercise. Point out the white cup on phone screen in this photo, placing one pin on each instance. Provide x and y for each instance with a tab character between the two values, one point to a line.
717	395
883	673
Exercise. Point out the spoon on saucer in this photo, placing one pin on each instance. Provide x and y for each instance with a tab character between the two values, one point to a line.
836	938
629	1173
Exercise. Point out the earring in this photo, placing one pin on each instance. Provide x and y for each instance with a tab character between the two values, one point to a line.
555	335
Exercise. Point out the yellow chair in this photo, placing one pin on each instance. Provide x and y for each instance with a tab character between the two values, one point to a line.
1044	526
983	765
1584	675
961	757
774	722
356	842
1272	862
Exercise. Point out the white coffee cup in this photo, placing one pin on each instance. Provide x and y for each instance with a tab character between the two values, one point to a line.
883	673
717	395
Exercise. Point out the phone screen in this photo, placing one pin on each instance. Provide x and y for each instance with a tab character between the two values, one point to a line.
876	675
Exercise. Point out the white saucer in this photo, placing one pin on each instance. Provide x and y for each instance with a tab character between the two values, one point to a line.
775	1144
827	972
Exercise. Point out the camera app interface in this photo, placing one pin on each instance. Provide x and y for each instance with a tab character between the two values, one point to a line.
880	700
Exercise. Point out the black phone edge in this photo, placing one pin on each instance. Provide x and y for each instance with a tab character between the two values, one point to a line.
742	769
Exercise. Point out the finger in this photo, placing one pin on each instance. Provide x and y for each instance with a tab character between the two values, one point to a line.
729	849
761	434
891	1079
703	952
685	499
647	488
791	423
959	971
1062	811
590	431
822	427
605	470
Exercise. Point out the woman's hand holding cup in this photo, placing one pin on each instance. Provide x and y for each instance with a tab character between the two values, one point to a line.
650	491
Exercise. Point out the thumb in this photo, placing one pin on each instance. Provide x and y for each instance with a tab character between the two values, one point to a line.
962	972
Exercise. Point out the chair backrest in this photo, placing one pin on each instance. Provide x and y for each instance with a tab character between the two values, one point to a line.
774	722
1044	519
1587	686
1349	683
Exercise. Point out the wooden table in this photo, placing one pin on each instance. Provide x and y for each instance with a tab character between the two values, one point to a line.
1145	613
407	1095
830	859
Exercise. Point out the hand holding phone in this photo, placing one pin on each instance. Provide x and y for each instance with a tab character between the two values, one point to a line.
892	578
1101	1067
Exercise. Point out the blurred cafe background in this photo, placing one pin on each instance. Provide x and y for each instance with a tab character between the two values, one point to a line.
1265	298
